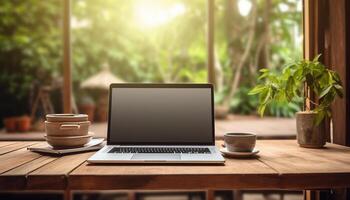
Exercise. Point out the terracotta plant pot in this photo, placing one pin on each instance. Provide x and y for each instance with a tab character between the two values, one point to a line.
10	124
23	124
88	109
310	135
221	112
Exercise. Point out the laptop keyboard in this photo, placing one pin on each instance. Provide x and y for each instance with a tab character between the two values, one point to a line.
199	150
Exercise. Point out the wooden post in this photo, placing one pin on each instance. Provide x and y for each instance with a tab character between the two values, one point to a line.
67	74
314	34
210	42
67	195
326	32
339	26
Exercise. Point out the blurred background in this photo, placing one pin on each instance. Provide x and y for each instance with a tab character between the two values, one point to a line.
158	41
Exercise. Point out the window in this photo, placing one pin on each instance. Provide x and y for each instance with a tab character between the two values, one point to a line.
162	41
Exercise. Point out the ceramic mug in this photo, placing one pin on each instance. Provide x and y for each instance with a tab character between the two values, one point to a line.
240	142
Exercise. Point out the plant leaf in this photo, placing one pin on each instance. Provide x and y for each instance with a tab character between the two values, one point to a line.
261	109
264	70
339	90
316	58
325	92
319	117
256	90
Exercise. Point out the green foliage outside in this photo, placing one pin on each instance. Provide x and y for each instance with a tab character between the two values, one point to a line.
30	50
170	51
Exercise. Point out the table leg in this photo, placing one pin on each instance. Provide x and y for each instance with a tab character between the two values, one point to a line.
311	195
67	195
209	195
131	195
237	195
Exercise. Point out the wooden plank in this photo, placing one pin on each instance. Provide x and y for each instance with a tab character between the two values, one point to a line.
28	167
2	144
12	160
287	157
173	182
16	158
54	174
232	166
302	168
15	146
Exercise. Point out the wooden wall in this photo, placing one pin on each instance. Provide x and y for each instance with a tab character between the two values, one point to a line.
327	31
337	52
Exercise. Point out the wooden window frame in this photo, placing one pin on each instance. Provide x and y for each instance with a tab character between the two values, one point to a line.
326	35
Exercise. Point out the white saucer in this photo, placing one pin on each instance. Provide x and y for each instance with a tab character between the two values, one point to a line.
227	153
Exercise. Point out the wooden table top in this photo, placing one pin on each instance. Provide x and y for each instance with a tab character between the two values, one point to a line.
281	164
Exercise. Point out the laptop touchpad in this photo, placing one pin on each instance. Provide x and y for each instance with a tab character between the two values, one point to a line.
156	156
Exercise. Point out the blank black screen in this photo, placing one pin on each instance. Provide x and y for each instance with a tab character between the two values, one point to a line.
161	116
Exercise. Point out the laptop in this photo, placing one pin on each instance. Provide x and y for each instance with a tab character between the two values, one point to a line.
160	123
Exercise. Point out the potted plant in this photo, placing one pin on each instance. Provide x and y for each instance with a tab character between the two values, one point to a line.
10	124
302	79
23	123
19	123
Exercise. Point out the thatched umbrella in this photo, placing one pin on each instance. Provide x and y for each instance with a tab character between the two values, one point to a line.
101	80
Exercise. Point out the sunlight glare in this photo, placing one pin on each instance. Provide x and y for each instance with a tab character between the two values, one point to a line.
244	7
300	5
152	14
283	7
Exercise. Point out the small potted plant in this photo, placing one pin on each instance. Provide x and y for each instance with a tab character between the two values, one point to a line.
10	124
23	123
19	123
302	79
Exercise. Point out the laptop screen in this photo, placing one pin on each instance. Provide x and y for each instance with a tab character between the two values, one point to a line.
169	114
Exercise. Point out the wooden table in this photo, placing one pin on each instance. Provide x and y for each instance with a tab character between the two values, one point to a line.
281	165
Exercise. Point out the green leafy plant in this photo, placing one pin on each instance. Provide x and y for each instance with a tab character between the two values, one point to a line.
300	79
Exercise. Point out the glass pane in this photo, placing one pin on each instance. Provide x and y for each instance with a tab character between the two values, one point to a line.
161	41
251	35
140	40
